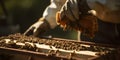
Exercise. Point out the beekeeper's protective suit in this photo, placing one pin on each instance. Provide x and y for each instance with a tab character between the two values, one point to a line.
107	13
48	20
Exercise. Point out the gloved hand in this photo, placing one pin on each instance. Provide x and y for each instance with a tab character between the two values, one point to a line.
76	14
38	28
87	24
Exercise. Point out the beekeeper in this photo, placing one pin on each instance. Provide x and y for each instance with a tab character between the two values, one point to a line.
96	18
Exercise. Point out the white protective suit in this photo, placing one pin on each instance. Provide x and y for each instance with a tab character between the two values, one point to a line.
48	20
50	12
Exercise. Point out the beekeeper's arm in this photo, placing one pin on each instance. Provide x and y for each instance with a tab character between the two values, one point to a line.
47	21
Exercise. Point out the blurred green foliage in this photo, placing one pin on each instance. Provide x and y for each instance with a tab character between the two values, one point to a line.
26	12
